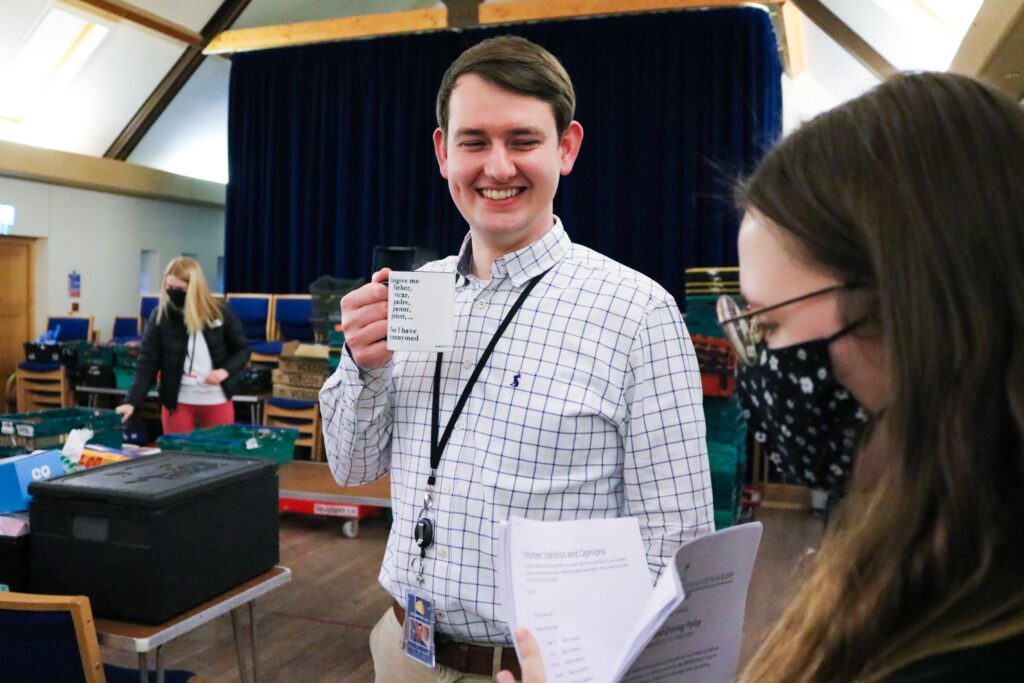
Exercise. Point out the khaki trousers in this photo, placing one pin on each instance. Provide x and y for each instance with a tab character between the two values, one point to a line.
391	665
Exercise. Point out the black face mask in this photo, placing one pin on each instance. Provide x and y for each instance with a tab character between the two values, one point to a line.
177	296
808	423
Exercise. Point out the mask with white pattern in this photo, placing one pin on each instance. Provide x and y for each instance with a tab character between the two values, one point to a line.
807	422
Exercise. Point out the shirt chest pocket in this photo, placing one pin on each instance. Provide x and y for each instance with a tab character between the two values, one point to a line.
547	405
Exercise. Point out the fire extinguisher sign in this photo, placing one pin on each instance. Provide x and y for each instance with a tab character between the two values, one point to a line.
74	284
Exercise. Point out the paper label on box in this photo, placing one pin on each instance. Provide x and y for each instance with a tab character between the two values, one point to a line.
421	311
252	443
25	430
7	428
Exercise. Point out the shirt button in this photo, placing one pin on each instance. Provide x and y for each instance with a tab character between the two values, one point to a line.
468	364
440	615
481	304
442	554
459	425
446	488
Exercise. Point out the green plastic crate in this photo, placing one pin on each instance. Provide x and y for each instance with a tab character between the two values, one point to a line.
10	451
251	441
95	355
57	421
126	356
123	378
724	519
49	428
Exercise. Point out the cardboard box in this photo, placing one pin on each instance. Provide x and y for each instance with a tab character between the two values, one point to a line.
302	393
17	472
299	379
295	349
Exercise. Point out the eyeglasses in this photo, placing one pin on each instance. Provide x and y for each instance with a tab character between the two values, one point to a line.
744	334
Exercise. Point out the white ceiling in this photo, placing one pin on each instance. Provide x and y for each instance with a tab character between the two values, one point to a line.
190	137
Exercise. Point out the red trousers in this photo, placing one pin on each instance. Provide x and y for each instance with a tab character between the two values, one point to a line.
185	416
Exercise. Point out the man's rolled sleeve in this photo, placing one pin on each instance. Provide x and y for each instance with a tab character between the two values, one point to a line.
357	415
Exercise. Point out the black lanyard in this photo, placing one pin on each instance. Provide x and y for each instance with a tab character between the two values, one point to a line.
437	446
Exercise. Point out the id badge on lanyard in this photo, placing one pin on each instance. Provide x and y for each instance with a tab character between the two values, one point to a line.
419	628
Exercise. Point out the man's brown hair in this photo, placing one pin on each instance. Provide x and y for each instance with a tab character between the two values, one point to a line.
517	65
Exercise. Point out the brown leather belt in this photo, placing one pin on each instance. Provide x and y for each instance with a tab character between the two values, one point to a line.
466	657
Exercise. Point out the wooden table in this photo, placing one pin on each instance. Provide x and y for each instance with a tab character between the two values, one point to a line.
143	639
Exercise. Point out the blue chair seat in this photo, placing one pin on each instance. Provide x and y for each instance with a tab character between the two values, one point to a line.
290	403
38	367
271	348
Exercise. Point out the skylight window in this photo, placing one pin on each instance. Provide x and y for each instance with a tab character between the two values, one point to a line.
923	34
48	60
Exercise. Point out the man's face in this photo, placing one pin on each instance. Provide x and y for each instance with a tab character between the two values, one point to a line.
502	158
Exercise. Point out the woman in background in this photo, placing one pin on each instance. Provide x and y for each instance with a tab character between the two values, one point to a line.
882	261
197	345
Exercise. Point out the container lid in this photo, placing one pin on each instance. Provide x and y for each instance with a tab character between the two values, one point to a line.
154	481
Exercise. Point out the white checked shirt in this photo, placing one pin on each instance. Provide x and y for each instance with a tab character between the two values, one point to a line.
590	406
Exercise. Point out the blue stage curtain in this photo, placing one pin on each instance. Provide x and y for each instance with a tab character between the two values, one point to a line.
330	145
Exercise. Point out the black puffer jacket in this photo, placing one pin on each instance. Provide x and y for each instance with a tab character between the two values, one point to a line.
164	347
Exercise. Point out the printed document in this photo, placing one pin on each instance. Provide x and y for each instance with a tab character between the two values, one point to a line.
584	590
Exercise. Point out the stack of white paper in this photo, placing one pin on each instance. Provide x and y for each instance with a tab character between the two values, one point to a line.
583	588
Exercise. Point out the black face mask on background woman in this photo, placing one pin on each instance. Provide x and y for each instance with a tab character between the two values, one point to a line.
809	424
177	296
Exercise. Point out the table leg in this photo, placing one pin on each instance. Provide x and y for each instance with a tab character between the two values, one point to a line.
160	664
243	670
143	668
255	649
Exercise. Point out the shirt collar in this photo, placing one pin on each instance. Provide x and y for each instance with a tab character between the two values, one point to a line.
522	265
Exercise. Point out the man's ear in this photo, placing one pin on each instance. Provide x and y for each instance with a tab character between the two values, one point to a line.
441	152
572	138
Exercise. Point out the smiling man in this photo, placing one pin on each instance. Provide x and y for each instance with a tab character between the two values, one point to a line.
589	404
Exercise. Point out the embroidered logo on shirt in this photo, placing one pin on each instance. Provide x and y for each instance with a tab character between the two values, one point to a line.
515	381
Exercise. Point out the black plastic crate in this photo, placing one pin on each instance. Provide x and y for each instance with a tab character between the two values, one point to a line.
255	379
97	376
14	563
66	352
42	353
148	539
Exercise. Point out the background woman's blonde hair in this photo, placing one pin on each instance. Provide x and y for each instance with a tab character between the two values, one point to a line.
200	308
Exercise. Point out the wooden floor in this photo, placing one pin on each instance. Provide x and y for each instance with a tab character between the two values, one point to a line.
316	628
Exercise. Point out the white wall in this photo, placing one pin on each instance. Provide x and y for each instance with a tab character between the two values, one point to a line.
101	235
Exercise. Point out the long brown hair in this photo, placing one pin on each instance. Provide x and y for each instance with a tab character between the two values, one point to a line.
915	191
201	308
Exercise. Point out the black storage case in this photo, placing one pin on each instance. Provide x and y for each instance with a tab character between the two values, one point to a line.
14	565
148	539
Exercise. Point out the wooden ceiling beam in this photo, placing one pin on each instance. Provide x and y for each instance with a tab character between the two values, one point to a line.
463	13
536	10
846	37
328	30
436	19
147	20
993	49
173	82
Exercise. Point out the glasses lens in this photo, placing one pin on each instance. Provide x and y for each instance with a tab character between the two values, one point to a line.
737	332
